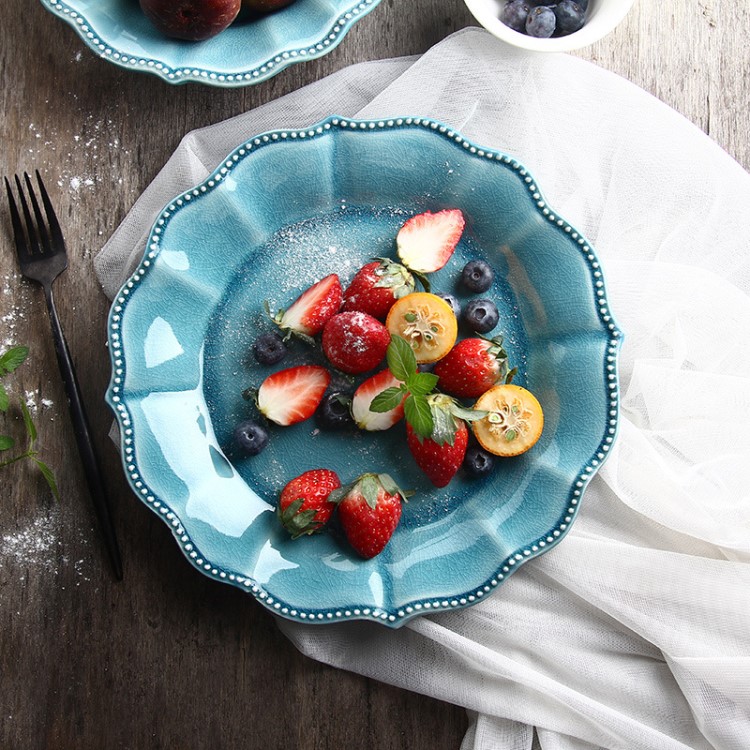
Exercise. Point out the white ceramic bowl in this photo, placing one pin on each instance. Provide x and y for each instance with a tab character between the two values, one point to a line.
602	16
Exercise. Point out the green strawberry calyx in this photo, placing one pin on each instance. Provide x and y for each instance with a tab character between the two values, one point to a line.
369	485
299	523
447	416
394	276
497	351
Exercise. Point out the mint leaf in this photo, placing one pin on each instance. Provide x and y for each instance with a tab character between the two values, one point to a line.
30	428
6	442
401	359
419	415
13	358
4	400
386	400
422	383
49	477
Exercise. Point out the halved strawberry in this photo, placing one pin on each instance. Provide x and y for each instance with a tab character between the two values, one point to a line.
363	396
426	242
355	342
292	395
312	309
304	507
473	366
376	286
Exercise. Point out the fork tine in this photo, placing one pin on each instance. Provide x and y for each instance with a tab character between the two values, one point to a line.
41	228
18	234
54	226
33	246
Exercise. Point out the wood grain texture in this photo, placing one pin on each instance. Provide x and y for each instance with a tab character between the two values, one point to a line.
169	659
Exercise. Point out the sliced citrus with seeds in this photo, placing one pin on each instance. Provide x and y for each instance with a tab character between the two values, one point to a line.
427	322
513	423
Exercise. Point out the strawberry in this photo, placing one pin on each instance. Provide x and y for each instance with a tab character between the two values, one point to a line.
363	397
441	454
304	507
426	242
472	367
376	286
312	309
355	342
369	510
292	395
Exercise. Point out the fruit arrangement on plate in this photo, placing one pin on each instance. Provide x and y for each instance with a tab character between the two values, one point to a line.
413	356
197	20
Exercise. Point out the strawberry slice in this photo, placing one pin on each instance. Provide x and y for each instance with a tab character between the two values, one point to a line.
292	395
363	397
426	242
312	309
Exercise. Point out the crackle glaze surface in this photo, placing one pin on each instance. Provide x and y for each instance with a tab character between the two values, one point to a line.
247	52
283	210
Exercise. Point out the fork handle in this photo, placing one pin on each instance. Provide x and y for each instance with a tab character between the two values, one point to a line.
83	437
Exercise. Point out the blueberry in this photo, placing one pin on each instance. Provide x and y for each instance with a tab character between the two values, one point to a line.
541	22
481	315
251	437
453	302
514	14
584	4
477	276
478	462
333	412
570	16
269	348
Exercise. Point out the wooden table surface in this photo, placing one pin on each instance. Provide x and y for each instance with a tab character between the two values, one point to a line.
168	658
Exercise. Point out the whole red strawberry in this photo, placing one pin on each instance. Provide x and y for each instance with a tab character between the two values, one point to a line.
440	456
355	342
304	507
376	286
472	367
369	513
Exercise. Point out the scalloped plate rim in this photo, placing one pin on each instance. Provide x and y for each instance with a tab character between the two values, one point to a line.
421	605
279	61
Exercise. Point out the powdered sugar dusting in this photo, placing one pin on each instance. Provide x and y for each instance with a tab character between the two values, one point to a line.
37	547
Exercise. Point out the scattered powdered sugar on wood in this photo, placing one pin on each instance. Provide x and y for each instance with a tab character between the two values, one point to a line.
37	546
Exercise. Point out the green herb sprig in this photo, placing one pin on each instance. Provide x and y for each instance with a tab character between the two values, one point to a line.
415	385
9	362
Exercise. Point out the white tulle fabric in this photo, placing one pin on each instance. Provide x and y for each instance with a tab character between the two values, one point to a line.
634	632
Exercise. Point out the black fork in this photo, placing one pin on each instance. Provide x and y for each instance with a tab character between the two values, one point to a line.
42	258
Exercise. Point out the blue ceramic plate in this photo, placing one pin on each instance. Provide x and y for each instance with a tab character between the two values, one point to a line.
245	53
283	210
